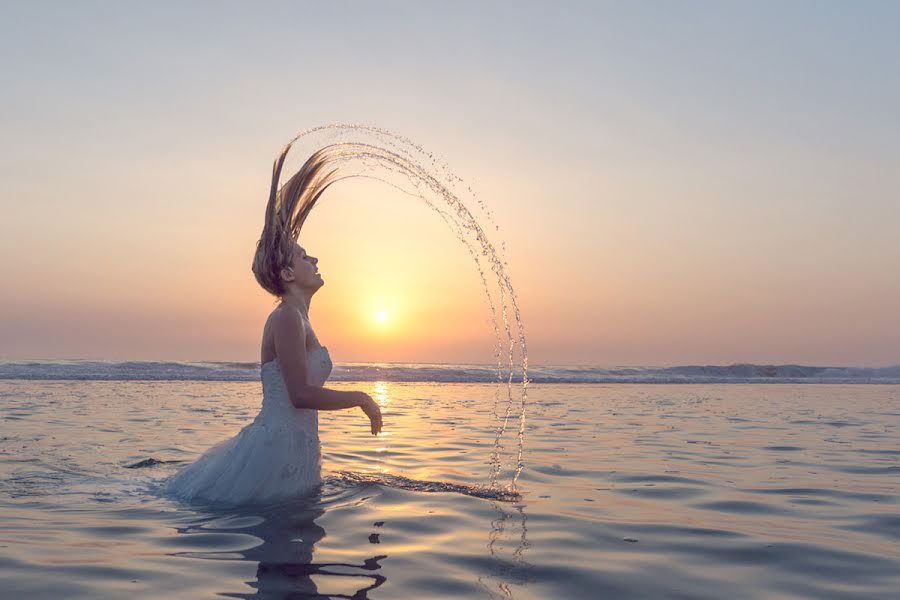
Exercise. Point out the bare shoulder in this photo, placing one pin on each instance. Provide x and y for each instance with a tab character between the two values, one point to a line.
284	324
287	326
285	318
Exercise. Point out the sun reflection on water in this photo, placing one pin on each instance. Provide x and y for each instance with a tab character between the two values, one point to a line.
381	393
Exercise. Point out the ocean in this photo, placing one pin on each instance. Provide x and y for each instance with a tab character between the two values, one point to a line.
681	482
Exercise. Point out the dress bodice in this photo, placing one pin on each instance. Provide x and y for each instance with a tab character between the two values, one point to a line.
275	395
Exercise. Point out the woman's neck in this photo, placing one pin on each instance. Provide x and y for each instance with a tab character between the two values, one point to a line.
298	299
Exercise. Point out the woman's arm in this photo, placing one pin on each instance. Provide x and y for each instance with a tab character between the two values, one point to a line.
289	332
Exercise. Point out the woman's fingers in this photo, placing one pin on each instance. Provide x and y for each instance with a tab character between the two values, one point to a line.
373	411
376	422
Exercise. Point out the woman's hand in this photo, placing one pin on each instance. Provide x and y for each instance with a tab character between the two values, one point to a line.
372	410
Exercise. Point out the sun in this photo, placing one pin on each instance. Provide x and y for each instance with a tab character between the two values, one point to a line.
382	316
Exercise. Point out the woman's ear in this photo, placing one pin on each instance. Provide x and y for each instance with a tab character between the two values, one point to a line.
287	274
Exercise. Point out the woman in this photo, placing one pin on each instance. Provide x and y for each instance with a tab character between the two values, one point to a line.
277	456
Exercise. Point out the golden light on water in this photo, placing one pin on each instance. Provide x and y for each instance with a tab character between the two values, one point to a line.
381	393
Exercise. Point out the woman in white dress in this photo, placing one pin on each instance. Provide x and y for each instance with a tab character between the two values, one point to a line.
277	456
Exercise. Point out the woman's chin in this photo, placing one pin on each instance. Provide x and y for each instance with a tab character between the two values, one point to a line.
313	285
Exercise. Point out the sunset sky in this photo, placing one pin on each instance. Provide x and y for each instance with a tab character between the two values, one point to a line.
675	182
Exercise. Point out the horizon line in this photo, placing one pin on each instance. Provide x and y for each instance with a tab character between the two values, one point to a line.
472	364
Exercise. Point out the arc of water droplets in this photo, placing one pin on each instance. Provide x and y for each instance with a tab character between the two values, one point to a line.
364	152
403	157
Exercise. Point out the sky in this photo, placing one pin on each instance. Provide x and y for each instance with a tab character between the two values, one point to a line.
675	183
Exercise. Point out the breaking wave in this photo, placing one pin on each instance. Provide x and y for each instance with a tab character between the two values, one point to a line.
446	373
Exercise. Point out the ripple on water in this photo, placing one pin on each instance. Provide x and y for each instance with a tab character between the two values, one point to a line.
642	478
662	493
742	507
880	524
826	492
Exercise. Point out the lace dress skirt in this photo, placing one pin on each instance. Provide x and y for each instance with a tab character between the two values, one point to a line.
275	457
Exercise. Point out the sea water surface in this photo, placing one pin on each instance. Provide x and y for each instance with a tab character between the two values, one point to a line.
630	490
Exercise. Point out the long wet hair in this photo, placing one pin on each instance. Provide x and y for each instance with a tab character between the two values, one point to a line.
286	212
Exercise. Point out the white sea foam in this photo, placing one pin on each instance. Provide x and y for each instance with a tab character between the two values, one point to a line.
447	373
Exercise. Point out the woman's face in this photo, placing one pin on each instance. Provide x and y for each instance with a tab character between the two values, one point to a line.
306	273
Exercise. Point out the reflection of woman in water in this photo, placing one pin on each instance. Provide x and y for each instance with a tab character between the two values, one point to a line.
288	534
277	456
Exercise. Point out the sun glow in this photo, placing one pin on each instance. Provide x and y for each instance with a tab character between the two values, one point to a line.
382	317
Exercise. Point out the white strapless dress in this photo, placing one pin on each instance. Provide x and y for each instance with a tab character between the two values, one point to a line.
275	457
